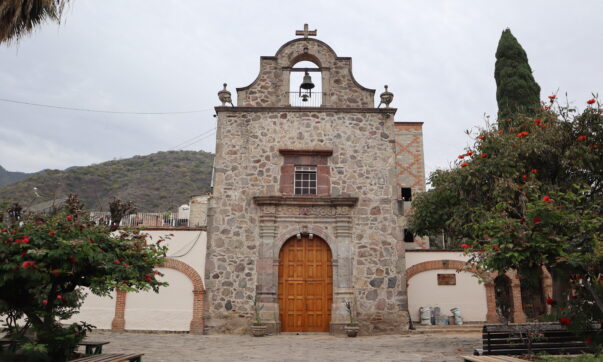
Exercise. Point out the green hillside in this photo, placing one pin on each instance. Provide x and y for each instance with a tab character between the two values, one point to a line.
8	177
158	182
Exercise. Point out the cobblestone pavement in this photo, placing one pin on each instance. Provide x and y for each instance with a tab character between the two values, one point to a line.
184	347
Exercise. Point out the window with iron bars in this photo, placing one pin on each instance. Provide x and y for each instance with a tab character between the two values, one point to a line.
305	180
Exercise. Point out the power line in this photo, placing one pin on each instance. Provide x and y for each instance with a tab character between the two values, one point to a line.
193	139
199	140
99	110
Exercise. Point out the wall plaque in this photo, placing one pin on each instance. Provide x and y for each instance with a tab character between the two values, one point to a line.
446	279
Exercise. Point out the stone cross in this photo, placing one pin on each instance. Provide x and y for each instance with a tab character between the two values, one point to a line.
306	32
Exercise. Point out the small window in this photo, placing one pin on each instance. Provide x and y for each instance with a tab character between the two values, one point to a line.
406	194
408	236
305	180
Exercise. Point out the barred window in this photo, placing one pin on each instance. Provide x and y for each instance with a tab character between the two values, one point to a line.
305	180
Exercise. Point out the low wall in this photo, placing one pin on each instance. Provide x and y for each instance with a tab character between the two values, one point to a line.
423	290
172	308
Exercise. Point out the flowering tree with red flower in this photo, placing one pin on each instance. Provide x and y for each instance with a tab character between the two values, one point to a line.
47	260
538	197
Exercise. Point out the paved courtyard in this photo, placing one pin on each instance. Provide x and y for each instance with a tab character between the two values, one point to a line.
184	347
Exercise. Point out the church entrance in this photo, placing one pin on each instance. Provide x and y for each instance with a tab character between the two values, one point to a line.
305	285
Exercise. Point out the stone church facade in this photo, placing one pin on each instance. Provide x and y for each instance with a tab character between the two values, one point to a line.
308	203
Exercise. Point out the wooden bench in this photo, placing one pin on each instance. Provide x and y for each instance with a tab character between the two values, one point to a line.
499	339
491	359
111	357
93	347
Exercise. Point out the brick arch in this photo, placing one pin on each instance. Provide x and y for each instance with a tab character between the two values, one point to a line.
197	323
433	265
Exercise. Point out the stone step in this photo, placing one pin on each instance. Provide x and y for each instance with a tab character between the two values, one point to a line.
448	329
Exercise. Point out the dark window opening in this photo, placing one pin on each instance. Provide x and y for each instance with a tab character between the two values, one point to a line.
406	194
305	180
408	236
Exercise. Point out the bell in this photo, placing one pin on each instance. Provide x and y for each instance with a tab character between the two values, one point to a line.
307	85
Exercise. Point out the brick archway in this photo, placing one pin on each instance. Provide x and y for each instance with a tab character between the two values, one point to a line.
197	323
458	265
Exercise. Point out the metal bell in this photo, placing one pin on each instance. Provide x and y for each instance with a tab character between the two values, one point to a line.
307	83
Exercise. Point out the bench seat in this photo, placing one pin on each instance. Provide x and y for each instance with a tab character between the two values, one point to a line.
111	357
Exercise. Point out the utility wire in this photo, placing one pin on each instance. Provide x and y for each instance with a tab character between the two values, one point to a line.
193	138
197	141
99	110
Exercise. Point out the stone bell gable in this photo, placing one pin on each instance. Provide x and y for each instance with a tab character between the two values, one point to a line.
304	214
271	87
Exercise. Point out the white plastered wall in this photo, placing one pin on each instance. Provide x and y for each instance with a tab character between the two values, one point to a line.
172	307
423	289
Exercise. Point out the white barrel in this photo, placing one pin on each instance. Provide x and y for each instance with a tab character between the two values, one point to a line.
425	313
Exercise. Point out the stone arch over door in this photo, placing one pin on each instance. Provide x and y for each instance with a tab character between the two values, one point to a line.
196	324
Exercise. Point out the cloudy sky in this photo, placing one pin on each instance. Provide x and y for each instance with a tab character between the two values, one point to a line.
172	56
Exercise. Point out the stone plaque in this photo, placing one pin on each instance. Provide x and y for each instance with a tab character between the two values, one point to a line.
446	279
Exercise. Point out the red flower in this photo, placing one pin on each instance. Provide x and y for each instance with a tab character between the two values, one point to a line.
546	198
28	264
51	233
538	122
59	297
592	147
581	138
115	261
550	301
148	278
464	164
534	170
44	301
524	177
72	259
564	321
536	220
39	222
480	137
465	246
552	97
23	253
500	131
522	134
460	157
495	247
56	272
522	220
484	155
68	218
588	339
590	101
3	230
469	153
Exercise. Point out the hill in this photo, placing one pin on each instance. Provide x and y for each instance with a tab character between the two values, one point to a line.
8	177
158	182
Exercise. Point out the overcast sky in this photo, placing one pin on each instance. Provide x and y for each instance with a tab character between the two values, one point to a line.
172	56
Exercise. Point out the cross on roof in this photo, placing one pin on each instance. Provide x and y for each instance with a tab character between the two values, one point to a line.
306	32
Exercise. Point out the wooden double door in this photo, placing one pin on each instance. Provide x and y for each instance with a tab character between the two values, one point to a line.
305	285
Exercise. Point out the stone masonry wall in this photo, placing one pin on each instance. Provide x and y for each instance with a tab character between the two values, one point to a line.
248	164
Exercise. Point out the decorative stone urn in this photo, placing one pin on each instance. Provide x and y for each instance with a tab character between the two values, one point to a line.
351	330
386	98
258	330
225	96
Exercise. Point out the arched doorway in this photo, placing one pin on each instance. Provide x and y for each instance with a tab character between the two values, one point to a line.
305	285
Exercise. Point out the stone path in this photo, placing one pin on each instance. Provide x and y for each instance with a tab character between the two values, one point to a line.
294	348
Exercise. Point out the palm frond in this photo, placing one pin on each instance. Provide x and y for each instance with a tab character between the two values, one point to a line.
20	17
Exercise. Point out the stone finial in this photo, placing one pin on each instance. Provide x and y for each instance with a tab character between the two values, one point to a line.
225	96
306	32
386	98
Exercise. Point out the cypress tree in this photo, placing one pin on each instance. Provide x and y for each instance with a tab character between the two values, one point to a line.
516	90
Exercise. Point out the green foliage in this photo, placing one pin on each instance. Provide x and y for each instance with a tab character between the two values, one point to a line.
516	90
46	261
157	182
257	309
528	197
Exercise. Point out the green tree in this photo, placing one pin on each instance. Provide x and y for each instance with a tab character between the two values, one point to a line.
516	90
46	261
529	198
